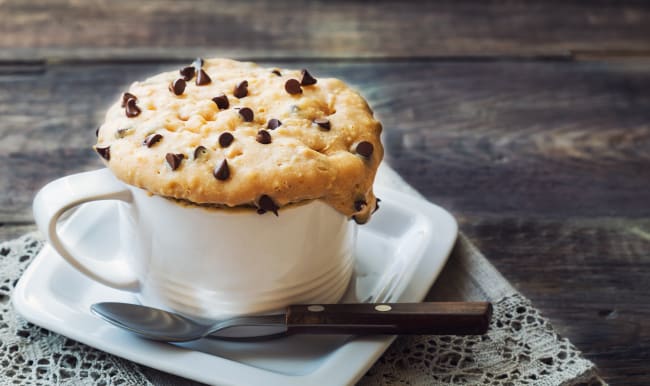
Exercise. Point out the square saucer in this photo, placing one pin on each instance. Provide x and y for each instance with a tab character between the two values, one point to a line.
399	254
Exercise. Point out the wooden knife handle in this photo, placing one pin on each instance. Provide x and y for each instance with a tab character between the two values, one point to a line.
433	318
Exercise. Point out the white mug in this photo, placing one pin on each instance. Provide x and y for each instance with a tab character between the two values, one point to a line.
207	263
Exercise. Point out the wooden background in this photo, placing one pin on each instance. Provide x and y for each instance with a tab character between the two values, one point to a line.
530	121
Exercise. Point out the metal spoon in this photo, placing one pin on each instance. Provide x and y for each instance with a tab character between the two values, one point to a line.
452	318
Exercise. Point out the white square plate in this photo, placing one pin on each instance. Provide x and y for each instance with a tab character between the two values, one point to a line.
399	255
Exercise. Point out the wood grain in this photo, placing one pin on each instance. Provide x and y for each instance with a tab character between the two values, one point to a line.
64	29
527	139
530	121
545	164
12	231
590	276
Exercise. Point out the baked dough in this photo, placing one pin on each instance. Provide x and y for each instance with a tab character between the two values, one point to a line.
170	144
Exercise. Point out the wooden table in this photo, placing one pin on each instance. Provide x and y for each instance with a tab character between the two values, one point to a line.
529	121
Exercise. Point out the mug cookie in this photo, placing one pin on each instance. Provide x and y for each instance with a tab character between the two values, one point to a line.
231	133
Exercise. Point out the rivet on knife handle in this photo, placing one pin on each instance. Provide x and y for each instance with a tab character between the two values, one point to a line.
432	318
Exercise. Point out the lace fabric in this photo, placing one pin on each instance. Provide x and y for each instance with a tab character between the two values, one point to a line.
520	349
30	355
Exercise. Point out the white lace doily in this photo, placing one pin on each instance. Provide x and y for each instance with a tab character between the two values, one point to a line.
520	349
30	355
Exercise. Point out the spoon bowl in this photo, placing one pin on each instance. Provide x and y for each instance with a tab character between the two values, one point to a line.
156	324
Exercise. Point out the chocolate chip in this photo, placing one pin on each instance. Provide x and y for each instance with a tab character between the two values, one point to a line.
365	148
126	96
241	89
263	137
174	160
266	204
307	79
221	101
105	152
247	114
358	221
276	72
202	78
200	151
359	205
225	139
152	139
177	86
97	132
323	123
187	73
132	110
197	63
293	87
273	124
222	172
377	205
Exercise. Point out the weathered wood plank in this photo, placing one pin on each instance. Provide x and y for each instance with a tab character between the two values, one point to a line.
333	29
513	148
12	231
514	138
545	163
589	276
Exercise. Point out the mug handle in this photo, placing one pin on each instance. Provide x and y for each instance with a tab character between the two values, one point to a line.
60	195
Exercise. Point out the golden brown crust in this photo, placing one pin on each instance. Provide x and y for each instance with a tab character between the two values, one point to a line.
304	160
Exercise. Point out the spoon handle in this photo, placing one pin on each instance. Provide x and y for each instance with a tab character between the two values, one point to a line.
432	318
